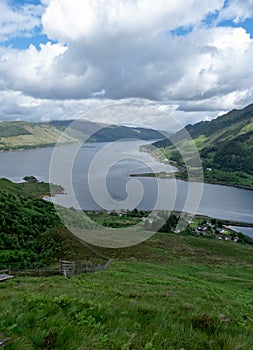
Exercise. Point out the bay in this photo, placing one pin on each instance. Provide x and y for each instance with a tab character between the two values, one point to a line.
98	178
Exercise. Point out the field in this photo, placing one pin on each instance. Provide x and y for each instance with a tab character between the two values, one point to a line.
22	135
170	292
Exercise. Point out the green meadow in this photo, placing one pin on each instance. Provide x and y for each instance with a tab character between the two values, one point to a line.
170	292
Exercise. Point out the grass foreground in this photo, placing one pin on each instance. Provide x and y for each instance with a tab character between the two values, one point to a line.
170	292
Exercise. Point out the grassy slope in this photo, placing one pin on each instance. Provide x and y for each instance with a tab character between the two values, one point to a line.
16	135
225	145
24	219
171	292
37	189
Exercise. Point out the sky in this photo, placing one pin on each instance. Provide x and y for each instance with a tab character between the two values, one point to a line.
125	61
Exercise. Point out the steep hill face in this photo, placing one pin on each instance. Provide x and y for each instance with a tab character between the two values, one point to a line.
225	145
17	135
30	227
98	132
227	142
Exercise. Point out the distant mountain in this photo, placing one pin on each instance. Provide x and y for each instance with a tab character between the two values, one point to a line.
19	135
98	132
225	145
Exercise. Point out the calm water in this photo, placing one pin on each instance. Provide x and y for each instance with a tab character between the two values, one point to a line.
245	230
107	167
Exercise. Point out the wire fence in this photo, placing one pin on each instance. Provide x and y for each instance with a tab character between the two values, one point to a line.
65	268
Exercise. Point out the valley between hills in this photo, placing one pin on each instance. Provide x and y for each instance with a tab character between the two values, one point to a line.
224	144
188	290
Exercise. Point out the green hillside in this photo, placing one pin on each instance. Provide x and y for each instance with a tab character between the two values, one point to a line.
32	234
22	135
225	146
98	132
172	291
25	221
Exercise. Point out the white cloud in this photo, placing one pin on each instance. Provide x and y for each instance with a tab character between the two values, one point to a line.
237	10
17	106
27	70
18	20
206	62
90	19
123	49
219	64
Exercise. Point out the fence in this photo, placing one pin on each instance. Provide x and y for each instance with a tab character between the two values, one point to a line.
65	268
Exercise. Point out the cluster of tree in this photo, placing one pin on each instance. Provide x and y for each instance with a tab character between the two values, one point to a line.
30	179
23	220
102	133
170	223
231	155
244	239
10	130
117	219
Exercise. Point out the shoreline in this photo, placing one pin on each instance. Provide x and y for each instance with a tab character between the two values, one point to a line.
28	147
164	175
198	216
59	190
177	174
170	175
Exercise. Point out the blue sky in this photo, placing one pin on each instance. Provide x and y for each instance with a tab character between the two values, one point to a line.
37	36
24	38
247	25
190	58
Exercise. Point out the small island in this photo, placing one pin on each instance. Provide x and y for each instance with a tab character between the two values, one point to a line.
30	179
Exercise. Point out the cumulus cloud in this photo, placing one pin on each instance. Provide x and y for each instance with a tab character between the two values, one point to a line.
219	64
19	107
237	10
91	19
14	105
206	62
127	49
29	70
18	20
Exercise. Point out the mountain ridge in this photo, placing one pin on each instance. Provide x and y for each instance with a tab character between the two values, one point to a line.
225	145
22	135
